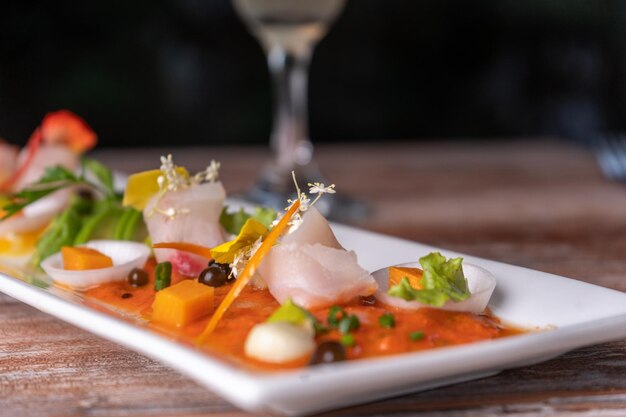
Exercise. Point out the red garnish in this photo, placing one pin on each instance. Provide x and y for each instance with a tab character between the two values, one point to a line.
66	128
61	126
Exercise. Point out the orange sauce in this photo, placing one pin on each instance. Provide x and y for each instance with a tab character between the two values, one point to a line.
253	306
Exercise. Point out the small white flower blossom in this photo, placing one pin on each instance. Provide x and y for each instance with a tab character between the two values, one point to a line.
210	173
295	222
173	180
319	188
238	264
255	247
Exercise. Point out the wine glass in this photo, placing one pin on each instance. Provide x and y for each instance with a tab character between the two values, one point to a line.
288	31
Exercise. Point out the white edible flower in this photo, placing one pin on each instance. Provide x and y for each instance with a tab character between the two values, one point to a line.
278	342
210	173
319	188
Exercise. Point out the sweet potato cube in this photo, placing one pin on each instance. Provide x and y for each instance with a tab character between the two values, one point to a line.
81	258
182	303
414	275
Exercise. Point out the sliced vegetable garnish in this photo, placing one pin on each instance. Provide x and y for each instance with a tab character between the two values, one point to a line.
182	303
81	258
251	231
234	221
248	271
162	275
143	185
443	280
348	324
186	247
415	336
347	340
387	320
290	313
335	315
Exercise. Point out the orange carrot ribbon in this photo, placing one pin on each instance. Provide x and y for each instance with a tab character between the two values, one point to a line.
248	272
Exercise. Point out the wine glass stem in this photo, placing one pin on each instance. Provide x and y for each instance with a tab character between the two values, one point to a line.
289	140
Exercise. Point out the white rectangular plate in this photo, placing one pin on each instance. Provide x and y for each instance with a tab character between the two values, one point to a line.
575	314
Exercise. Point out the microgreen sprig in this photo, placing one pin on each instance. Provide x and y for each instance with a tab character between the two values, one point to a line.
93	175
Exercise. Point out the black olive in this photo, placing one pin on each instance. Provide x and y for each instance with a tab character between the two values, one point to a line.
137	277
225	268
213	276
328	352
211	262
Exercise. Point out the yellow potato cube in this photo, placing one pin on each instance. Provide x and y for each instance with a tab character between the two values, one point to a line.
182	303
414	275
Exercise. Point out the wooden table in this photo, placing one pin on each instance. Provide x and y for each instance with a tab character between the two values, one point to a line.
535	203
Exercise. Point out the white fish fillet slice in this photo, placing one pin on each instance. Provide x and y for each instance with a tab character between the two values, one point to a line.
200	225
312	268
37	215
49	155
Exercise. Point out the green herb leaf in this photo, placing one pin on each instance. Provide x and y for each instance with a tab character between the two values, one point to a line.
264	215
101	174
443	280
387	320
162	275
348	324
54	179
415	336
335	315
62	231
347	340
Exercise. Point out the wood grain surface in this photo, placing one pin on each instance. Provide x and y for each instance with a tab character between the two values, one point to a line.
536	203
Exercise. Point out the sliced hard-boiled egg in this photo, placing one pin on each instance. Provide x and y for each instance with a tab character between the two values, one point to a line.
124	254
480	282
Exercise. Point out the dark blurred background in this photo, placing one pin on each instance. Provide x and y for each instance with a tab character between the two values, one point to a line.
188	72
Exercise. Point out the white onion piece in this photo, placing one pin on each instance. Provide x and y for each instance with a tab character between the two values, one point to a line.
125	255
48	155
480	282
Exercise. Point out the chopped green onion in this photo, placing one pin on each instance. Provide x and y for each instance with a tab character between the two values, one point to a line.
348	324
162	275
415	336
347	340
387	321
335	315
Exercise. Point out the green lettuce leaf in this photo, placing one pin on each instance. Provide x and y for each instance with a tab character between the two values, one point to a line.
443	280
234	221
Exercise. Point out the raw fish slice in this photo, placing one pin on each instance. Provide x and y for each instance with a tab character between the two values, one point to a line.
37	215
197	222
314	229
312	268
49	155
8	160
313	275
